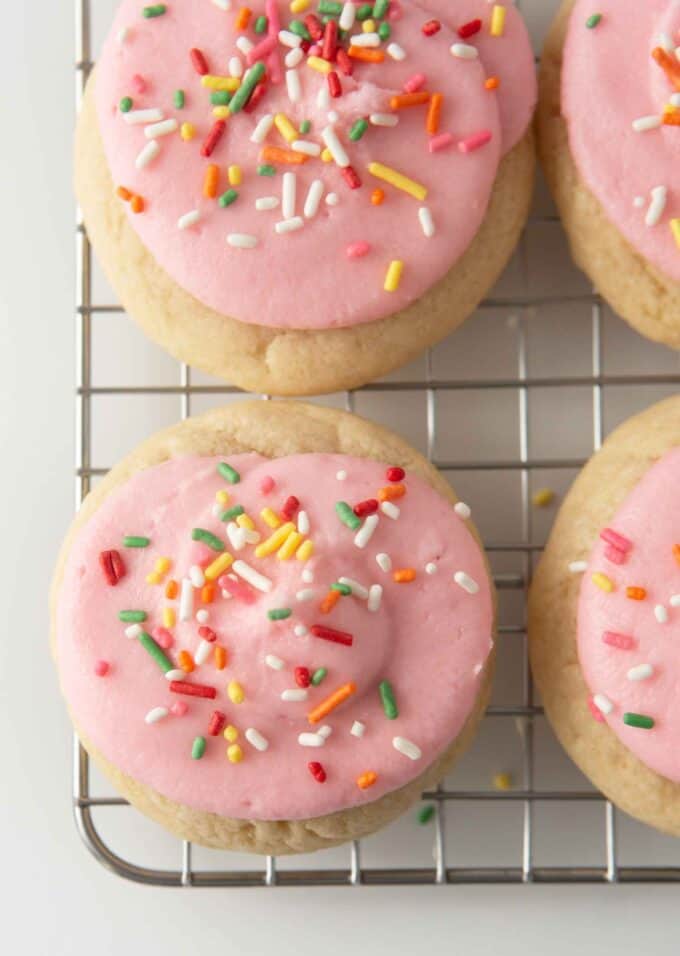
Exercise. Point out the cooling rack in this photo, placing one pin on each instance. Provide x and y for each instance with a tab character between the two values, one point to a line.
552	372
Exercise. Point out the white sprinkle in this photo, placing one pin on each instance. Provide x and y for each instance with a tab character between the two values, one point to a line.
293	86
134	630
323	97
259	134
158	713
308	575
186	600
426	222
666	41
462	510
244	45
464	51
366	531
389	509
675	99
657	206
407	748
203	615
134	117
332	199
358	590
255	739
396	52
307	594
661	613
161	129
236	66
365	39
431	568
313	199
311	740
175	675
347	16
288	195
325	731
335	147
675	600
294	694
467	583
252	537
300	630
148	154
241	240
253	577
203	652
303	522
304	146
578	567
374	597
358	729
289	39
603	704
293	58
274	662
266	202
383	119
641	672
123	35
189	219
639	202
217	509
645	123
384	562
237	536
341	475
223	4
289	225
196	576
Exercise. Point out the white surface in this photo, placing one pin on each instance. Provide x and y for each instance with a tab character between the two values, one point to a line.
57	900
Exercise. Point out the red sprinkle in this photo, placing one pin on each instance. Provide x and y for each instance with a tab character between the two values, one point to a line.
330	634
358	249
163	637
238	589
218	722
317	771
302	676
199	62
290	507
469	29
415	83
431	27
330	40
214	136
106	564
622	641
192	690
351	177
343	61
207	634
334	84
267	484
179	708
616	540
258	93
139	84
395	473
101	668
614	555
595	711
314	26
368	507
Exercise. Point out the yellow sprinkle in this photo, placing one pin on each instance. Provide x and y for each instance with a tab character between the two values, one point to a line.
230	733
235	691
286	128
221	112
327	156
245	521
187	131
290	546
270	517
603	582
235	175
153	578
368	26
675	229
394	178
168	617
305	551
321	66
213	571
497	21
393	277
274	542
543	497
229	83
234	753
222	497
299	6
502	781
162	565
669	109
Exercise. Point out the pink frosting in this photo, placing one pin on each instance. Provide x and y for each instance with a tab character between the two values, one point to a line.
304	279
609	80
430	638
639	632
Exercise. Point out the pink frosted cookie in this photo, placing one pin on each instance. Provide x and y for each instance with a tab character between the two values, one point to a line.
272	628
303	202
605	616
609	122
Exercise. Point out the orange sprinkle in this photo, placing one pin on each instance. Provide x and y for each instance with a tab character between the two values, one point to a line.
434	113
211	181
329	602
366	54
672	118
186	661
208	593
404	100
676	552
366	780
220	657
274	154
404	575
392	491
492	83
636	594
333	700
242	18
171	589
377	197
124	194
669	65
137	204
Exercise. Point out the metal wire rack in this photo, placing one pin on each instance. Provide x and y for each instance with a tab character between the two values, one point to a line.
521	386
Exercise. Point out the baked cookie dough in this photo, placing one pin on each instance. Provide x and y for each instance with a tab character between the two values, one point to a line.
288	239
609	132
272	627
604	617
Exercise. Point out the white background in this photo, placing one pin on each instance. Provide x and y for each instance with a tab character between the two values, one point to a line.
55	899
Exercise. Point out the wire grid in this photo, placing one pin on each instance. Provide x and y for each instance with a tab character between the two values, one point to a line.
443	871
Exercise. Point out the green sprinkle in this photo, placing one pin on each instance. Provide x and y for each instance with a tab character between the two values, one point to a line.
232	513
245	90
347	516
299	29
331	7
305	127
179	99
228	473
342	588
266	170
388	701
384	30
156	652
358	130
135	541
200	534
638	720
132	617
319	675
261	25
425	814
380	8
220	98
365	11
126	104
156	10
279	613
198	748
593	21
226	199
